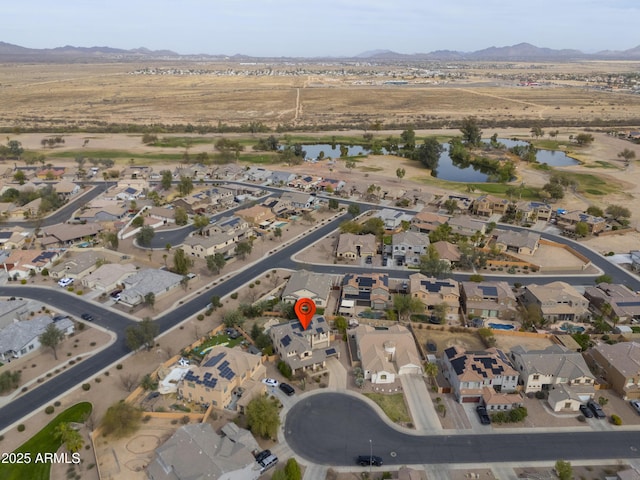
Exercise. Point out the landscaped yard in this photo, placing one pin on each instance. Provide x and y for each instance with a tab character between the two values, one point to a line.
216	340
393	405
43	442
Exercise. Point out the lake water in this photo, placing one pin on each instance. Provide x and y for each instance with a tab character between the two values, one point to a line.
446	170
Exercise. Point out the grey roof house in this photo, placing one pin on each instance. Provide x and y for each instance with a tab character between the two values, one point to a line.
305	284
147	281
21	337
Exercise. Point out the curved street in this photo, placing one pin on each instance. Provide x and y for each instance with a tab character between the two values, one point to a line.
334	428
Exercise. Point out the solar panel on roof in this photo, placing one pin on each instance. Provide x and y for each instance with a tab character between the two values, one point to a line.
215	359
489	291
330	351
286	340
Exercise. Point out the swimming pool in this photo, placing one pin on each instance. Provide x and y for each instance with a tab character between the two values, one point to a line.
568	327
279	225
501	326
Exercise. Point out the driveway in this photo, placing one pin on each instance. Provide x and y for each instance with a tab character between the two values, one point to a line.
425	417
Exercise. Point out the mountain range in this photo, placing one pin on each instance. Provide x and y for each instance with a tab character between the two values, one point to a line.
520	52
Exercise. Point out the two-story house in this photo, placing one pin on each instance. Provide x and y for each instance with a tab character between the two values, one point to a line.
488	299
367	290
300	348
434	291
619	364
557	301
352	246
408	247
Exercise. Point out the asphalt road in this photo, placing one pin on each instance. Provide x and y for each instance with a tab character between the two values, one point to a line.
333	429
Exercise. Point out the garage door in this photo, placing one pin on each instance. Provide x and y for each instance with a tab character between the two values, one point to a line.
471	400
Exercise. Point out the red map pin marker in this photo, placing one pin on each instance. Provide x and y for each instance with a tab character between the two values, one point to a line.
305	309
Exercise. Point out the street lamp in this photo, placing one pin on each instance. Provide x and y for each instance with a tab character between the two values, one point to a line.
370	456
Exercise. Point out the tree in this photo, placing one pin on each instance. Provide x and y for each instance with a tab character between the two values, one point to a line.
233	318
333	204
618	212
595	211
150	299
181	262
9	380
354	210
137	222
200	221
428	153
537	132
471	133
554	190
51	337
340	324
15	148
279	474
405	305
584	139
431	265
582	229
440	312
215	262
181	216
431	370
349	163
277	233
292	469
400	173
121	419
450	205
408	137
19	177
68	436
564	470
604	279
263	416
307	217
441	233
185	186
129	381
167	178
145	236
141	335
627	155
243	249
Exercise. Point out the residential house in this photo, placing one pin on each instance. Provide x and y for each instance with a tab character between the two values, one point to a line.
469	372
64	234
196	452
77	266
557	301
624	303
109	213
50	173
299	200
206	201
305	183
619	365
195	170
447	251
386	354
487	205
301	348
11	310
258	174
635	260
545	370
258	215
136	172
488	299
109	276
331	184
407	247
202	246
14	237
500	402
353	246
433	291
534	211
20	263
232	225
124	192
223	375
167	215
568	221
28	210
281	178
367	290
464	203
146	281
22	336
522	242
66	190
393	218
466	226
305	284
427	222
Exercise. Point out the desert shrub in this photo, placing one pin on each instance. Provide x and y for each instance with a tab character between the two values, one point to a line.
234	295
119	366
616	420
86	387
49	410
21	428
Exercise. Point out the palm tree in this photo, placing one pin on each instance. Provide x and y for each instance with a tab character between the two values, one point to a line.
431	370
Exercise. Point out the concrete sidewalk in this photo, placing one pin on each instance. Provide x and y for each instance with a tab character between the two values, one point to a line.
423	412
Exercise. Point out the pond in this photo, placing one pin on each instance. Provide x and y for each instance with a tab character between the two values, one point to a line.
553	158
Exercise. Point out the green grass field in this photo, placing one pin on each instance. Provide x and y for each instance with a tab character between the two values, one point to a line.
393	406
43	442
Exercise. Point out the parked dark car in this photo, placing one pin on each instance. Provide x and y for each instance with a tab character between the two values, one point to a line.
87	316
483	415
262	455
368	260
366	460
596	409
288	389
586	411
115	293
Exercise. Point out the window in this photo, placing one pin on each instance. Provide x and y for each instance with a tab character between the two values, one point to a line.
536	377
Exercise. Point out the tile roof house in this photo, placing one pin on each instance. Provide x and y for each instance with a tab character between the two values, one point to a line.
557	301
258	174
148	280
523	242
66	189
197	452
202	246
367	290
109	276
426	221
568	220
434	291
469	372
22	337
447	251
408	247
499	401
66	234
353	246
487	205
19	263
488	299
625	303
77	266
109	213
619	364
466	226
534	211
222	375
385	354
299	200
302	349
305	284
554	366
257	215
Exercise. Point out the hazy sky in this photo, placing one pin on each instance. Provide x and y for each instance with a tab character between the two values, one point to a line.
321	27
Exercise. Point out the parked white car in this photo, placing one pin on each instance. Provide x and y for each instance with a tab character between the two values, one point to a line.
65	282
271	382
